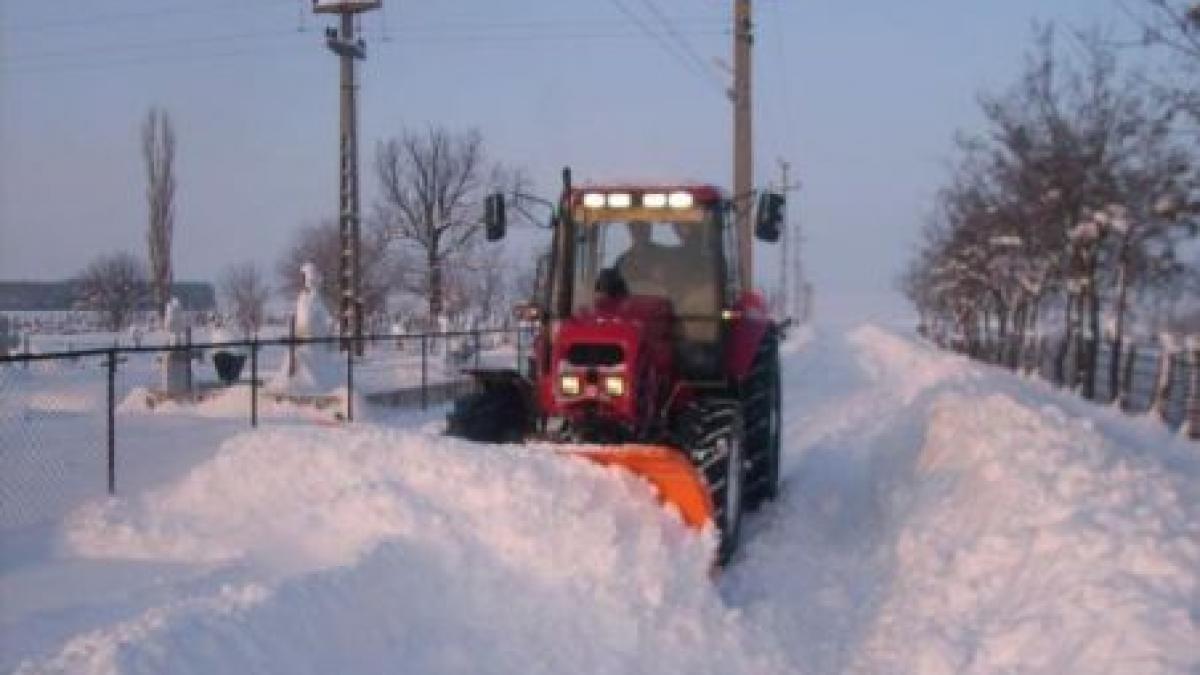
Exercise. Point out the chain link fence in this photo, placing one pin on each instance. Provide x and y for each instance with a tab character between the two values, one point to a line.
73	424
1159	377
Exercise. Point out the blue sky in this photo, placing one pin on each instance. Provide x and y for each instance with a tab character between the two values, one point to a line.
862	97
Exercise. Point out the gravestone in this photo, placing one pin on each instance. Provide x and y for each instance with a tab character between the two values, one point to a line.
177	366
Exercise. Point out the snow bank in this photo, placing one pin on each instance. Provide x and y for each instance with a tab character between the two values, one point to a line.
369	550
1023	539
941	516
1030	543
234	403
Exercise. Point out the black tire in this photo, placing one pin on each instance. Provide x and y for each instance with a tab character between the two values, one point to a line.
763	414
494	415
711	432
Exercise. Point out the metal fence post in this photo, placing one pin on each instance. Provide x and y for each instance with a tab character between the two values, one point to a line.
1162	387
350	380
1192	408
112	422
1125	388
520	347
188	353
424	373
291	346
254	381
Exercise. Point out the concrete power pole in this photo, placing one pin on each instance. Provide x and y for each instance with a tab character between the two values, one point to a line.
743	157
802	295
349	49
786	261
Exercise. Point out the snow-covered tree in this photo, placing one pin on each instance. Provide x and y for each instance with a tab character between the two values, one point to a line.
1076	196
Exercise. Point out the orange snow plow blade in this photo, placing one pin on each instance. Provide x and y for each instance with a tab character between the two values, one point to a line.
678	482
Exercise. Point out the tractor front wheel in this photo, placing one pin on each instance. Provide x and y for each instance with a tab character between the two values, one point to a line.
761	408
710	431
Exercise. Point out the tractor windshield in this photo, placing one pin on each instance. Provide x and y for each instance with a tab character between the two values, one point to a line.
675	260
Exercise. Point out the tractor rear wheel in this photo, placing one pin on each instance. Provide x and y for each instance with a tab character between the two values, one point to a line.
761	408
710	431
494	415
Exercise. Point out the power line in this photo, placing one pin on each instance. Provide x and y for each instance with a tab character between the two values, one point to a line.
174	10
784	99
149	59
146	60
190	8
686	46
151	45
688	65
473	31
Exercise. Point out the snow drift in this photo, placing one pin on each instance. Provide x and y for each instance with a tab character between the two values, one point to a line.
369	550
937	516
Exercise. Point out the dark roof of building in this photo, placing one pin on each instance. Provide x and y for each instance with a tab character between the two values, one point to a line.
61	296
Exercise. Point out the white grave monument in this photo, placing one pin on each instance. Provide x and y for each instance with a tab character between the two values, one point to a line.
316	370
177	366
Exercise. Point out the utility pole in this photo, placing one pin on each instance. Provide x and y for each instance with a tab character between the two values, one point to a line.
785	259
801	289
743	158
348	49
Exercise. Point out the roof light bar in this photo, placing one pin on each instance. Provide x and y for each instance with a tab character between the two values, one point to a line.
654	200
620	200
680	200
649	200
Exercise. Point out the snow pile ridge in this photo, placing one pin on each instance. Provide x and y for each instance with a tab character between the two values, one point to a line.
101	650
399	547
1025	531
909	367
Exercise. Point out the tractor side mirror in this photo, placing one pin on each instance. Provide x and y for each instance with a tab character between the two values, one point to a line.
769	223
494	222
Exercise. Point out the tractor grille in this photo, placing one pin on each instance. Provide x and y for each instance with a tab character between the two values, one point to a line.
595	355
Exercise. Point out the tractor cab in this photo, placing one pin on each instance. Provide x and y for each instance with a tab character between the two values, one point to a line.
655	250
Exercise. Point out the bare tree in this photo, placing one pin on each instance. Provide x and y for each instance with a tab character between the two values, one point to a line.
1172	27
245	292
321	245
432	187
158	153
525	285
114	285
475	286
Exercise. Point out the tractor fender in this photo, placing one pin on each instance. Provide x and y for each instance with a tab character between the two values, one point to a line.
750	323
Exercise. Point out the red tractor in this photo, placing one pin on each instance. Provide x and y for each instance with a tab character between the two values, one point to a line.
649	353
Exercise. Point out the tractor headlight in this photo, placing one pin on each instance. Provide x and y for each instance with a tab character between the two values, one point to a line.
569	385
614	385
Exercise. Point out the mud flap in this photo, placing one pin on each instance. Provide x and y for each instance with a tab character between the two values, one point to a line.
673	476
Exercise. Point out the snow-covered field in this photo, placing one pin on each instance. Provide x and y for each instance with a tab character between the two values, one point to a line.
937	516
